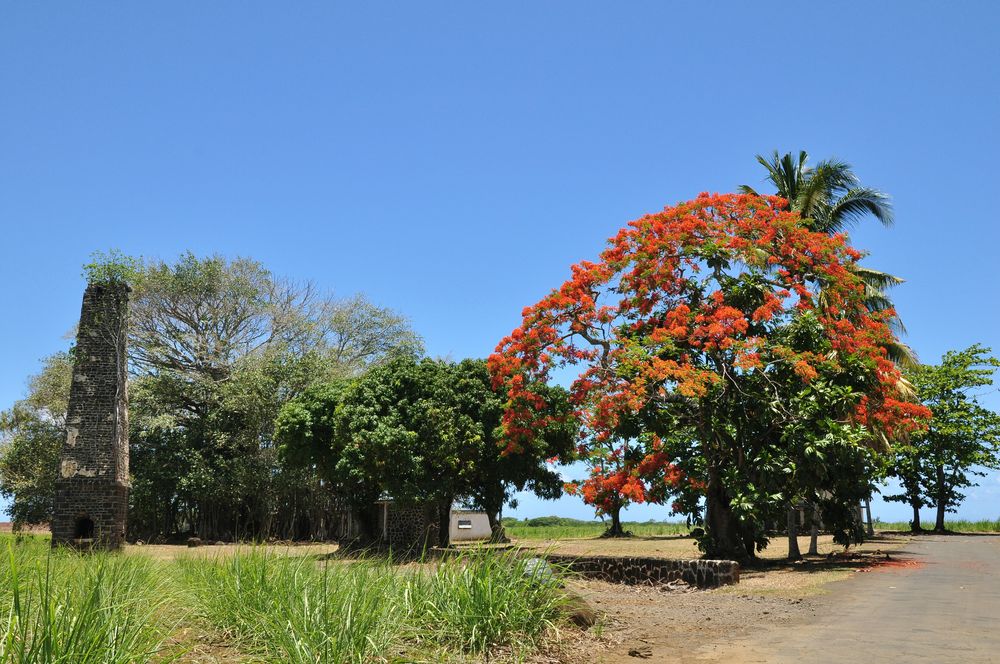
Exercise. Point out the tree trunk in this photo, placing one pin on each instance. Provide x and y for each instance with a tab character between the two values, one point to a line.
868	513
497	532
942	501
444	523
793	533
915	524
721	526
814	532
615	529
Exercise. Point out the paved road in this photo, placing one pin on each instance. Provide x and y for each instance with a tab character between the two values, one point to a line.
944	609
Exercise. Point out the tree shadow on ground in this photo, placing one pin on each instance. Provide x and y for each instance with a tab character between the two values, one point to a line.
841	560
949	533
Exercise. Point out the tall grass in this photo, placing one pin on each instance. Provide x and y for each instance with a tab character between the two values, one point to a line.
59	606
67	608
478	603
294	610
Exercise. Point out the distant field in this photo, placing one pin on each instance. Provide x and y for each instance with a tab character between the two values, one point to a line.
558	528
959	526
572	529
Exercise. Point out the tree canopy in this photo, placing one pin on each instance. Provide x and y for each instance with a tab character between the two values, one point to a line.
695	326
419	431
962	439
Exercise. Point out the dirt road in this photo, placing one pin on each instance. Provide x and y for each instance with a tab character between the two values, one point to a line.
942	606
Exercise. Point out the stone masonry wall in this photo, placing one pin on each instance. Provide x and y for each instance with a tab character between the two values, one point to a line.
92	481
412	527
652	571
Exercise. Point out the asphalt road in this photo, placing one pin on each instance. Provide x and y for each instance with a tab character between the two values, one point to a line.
944	608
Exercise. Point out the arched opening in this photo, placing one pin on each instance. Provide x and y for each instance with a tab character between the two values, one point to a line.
84	528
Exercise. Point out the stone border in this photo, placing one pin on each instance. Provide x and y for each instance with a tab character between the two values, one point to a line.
651	571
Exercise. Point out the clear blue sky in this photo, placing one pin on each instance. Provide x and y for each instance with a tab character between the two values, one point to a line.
452	160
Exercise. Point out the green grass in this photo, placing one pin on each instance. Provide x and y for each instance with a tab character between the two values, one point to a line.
67	608
571	529
959	526
294	610
59	606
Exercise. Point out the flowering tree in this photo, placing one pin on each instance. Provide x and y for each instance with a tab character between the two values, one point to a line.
690	333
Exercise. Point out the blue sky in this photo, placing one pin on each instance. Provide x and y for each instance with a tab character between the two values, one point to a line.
451	160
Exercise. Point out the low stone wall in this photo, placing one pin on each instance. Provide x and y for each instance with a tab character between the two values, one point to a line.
651	571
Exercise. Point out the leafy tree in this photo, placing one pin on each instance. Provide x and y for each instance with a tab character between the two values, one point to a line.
831	199
32	433
963	436
498	472
682	326
421	431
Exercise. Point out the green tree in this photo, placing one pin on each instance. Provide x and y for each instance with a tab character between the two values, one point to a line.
962	439
421	431
831	199
498	473
32	433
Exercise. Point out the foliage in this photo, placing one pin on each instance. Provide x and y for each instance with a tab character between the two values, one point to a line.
421	431
963	437
216	348
32	433
113	267
686	330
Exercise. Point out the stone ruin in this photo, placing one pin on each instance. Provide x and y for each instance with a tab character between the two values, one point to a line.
91	501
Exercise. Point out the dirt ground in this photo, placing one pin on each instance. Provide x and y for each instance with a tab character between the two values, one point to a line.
675	546
657	624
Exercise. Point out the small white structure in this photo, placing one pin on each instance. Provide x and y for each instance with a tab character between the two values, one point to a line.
467	525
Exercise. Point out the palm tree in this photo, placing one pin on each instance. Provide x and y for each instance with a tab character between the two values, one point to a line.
831	199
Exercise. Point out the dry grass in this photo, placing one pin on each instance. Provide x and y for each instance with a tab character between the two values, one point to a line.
175	551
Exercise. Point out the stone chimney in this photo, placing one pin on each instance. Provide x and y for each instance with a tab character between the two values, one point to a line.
92	483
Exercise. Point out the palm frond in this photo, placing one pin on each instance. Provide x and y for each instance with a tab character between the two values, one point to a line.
881	281
785	173
821	185
747	189
903	356
854	206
